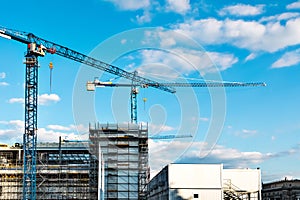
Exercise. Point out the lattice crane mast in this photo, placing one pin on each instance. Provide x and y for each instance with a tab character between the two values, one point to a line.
91	85
38	47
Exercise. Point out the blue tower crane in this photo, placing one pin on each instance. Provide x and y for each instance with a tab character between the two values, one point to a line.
91	85
38	47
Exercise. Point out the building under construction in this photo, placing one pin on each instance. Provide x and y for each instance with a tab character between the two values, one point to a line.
63	171
124	149
113	165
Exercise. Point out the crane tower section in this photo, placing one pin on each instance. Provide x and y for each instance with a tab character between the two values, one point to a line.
30	134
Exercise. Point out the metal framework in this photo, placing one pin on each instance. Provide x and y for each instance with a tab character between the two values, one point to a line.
30	135
54	48
62	171
31	93
125	153
134	89
209	84
232	192
133	102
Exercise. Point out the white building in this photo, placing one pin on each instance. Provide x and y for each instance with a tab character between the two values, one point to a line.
205	181
242	183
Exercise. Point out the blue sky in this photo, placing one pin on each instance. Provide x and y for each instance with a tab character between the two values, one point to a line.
169	41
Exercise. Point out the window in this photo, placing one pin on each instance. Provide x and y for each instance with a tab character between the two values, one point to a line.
196	196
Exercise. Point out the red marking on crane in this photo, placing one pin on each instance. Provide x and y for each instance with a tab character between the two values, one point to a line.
51	50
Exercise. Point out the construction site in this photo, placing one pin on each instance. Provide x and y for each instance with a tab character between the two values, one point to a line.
112	164
62	171
124	148
68	170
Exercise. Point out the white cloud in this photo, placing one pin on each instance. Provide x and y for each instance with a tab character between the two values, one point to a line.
295	5
251	56
183	61
242	132
162	153
157	71
230	157
158	128
206	31
45	135
288	59
146	17
242	10
13	123
123	41
222	60
178	6
247	132
4	84
204	119
16	100
12	131
2	75
58	127
280	17
130	4
45	99
250	35
79	128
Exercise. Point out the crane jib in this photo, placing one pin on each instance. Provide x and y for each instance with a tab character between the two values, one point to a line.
79	57
52	48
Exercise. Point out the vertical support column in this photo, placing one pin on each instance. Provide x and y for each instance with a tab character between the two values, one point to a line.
143	164
30	134
93	165
133	105
133	100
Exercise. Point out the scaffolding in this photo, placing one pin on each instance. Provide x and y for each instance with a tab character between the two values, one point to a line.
62	171
11	173
232	192
125	153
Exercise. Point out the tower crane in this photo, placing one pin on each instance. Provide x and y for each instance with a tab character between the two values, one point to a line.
38	47
154	137
91	85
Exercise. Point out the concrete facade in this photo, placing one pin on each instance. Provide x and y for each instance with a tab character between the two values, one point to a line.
205	181
281	190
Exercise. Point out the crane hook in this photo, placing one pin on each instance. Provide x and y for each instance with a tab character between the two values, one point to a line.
51	68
